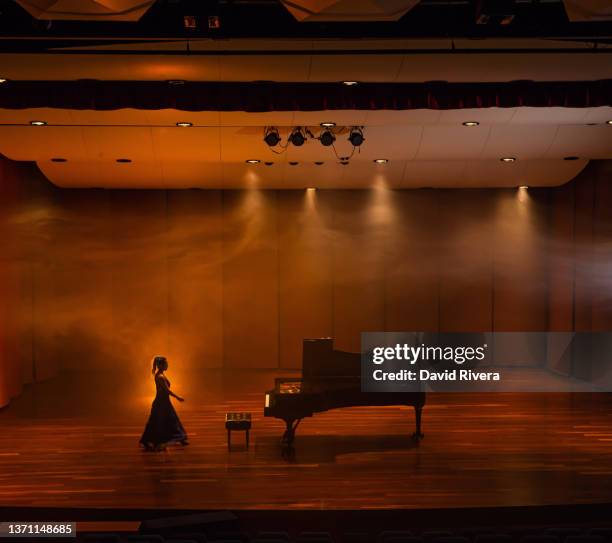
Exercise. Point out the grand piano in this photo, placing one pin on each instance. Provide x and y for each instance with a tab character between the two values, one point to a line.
330	379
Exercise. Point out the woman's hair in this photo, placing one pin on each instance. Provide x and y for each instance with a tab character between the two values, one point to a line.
158	362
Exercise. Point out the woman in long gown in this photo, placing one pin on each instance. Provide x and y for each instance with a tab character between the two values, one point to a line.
163	426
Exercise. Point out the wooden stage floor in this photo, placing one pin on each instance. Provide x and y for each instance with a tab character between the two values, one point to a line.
479	450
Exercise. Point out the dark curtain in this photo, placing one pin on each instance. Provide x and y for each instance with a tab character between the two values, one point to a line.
264	96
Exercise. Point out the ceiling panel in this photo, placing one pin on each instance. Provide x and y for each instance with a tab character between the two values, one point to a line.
458	142
187	144
582	141
521	141
549	115
42	143
105	143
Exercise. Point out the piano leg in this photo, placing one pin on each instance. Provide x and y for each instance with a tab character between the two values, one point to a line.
291	427
417	415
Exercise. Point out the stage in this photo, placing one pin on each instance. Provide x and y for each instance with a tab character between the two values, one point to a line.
66	447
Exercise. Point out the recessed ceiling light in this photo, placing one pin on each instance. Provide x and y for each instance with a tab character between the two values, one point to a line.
508	159
571	158
381	160
59	159
124	160
38	123
268	163
523	186
184	124
176	81
293	163
319	163
252	161
609	122
328	124
3	80
470	123
350	83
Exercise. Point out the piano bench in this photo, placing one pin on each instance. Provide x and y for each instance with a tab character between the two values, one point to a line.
237	421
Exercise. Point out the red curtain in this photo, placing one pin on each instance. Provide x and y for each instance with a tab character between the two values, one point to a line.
264	96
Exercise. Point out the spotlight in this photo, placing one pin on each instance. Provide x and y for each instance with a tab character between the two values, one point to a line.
508	159
3	80
297	137
344	162
327	138
381	160
293	163
268	163
319	163
470	123
184	124
356	136
252	161
524	187
328	125
272	137
609	122
350	83
38	123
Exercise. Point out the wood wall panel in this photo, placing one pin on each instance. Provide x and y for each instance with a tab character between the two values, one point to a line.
520	251
361	220
195	269
466	273
238	278
139	280
305	243
250	280
413	263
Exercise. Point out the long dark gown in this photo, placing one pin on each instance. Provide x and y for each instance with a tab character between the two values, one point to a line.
163	426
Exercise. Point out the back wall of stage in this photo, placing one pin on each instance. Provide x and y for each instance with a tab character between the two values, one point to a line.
105	279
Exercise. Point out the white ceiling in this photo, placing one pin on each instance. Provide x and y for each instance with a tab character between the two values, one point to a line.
424	147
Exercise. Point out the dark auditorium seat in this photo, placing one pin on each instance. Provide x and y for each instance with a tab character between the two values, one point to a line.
562	533
393	534
276	536
606	533
101	538
493	538
144	538
585	539
540	539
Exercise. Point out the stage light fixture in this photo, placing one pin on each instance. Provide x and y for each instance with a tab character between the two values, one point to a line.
524	187
297	137
38	123
508	159
327	124
470	123
350	83
3	80
609	122
356	136
381	160
124	160
344	162
184	124
272	137
327	138
252	161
